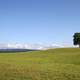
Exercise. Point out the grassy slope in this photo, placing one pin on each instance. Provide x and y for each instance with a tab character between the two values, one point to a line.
54	64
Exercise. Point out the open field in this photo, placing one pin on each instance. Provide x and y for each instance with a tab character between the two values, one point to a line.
54	64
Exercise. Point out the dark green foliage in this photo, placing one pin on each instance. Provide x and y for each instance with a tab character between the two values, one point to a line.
76	39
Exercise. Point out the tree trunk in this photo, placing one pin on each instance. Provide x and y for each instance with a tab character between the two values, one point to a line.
79	45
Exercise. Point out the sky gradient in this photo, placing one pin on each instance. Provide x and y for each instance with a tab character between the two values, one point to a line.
39	21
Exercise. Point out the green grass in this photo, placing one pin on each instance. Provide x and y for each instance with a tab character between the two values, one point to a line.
53	64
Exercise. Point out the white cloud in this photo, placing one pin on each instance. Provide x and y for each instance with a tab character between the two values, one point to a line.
35	46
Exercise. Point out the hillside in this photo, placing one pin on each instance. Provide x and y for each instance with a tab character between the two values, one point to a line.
53	64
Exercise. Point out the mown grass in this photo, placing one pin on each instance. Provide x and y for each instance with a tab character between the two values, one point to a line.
54	64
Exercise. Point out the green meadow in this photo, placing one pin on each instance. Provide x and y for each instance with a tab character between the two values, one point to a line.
53	64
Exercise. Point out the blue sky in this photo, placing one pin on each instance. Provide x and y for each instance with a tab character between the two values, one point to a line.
35	21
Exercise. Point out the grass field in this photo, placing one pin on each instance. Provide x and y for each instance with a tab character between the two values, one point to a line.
54	64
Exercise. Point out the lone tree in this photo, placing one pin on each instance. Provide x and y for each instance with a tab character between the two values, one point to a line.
76	39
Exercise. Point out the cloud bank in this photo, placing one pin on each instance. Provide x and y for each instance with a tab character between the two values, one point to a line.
33	46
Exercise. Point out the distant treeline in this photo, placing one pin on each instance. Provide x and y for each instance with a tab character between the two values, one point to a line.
15	50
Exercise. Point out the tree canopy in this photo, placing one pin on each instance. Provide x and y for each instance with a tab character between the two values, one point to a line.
76	39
